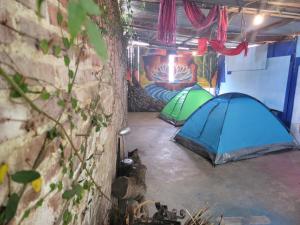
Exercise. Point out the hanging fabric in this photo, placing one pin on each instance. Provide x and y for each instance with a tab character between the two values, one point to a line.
222	25
167	21
197	18
220	47
202	46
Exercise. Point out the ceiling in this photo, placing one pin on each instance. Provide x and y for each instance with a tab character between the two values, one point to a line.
282	21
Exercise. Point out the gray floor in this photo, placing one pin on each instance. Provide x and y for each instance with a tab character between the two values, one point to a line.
263	190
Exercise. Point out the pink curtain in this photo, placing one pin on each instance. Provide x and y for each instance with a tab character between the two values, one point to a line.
222	25
196	17
167	21
220	47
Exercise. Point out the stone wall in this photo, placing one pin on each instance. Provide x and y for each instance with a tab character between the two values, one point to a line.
23	131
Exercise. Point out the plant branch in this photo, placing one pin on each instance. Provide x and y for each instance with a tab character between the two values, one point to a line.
36	108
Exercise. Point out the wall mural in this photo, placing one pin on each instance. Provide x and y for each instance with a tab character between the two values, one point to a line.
153	75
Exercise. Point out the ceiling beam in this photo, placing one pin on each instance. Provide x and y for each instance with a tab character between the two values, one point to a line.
280	9
230	36
145	22
252	34
272	13
153	27
208	31
290	3
234	3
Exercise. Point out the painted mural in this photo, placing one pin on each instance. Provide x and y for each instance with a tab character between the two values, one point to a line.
151	71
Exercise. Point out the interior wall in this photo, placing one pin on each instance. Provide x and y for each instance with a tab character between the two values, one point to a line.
24	133
256	60
265	80
267	85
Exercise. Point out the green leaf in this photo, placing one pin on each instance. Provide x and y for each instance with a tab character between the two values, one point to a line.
26	214
45	95
66	60
52	133
2	215
76	17
87	185
39	203
76	190
83	116
24	87
96	39
59	17
52	186
44	46
61	103
70	87
60	185
68	194
25	176
66	42
98	128
64	171
74	102
67	217
38	7
18	79
56	50
11	207
14	94
82	149
71	74
90	7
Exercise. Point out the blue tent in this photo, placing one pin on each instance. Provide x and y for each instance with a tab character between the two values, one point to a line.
233	126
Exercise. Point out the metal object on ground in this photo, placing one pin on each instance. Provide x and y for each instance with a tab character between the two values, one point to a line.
162	217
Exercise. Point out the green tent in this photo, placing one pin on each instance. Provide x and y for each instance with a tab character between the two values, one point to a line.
180	107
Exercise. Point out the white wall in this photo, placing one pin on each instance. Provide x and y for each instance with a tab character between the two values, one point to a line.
256	59
267	85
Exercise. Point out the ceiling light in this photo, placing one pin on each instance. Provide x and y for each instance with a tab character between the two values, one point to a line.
139	43
253	45
258	19
171	68
183	48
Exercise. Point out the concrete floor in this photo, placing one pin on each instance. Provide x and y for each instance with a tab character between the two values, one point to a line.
264	190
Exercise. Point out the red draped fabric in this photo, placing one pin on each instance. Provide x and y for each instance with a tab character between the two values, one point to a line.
222	25
167	21
220	47
196	17
202	46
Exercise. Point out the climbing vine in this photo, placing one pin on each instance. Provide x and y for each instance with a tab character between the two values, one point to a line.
83	29
127	18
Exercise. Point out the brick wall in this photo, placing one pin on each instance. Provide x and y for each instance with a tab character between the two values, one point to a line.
23	130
